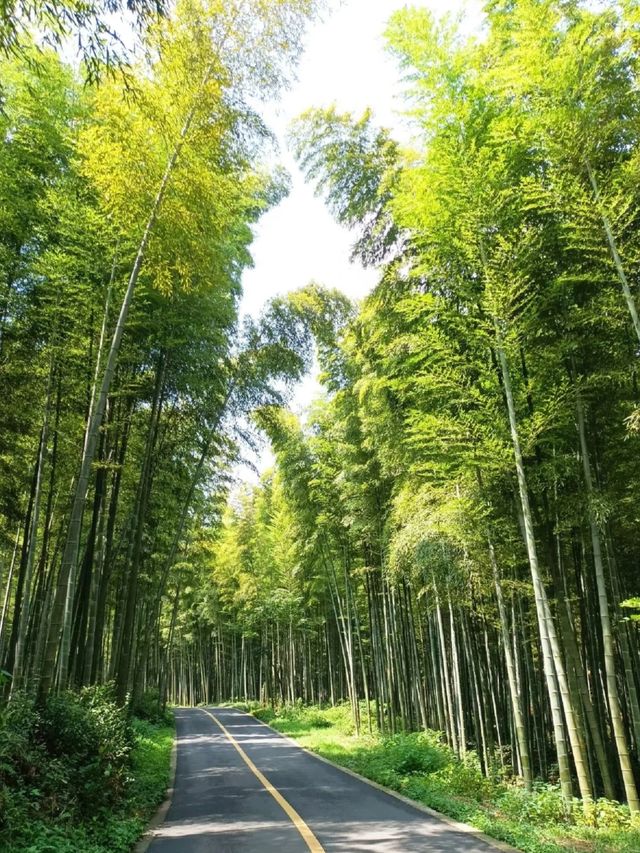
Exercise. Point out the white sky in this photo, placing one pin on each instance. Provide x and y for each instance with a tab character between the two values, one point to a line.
345	63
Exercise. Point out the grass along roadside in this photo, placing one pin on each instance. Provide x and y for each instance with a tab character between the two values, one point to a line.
54	800
421	767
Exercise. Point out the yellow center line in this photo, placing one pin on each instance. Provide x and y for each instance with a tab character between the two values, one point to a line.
311	841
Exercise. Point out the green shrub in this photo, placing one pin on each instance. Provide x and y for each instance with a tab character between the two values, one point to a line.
149	707
394	760
419	752
294	718
316	720
464	780
78	775
31	780
265	714
92	736
604	814
341	717
21	753
69	758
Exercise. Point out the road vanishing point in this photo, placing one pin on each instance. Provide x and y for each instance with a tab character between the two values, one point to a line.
241	786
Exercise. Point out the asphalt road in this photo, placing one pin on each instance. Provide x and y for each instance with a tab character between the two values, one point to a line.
280	799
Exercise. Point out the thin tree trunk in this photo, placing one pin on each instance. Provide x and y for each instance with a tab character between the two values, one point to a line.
7	593
549	664
516	696
123	665
615	708
19	664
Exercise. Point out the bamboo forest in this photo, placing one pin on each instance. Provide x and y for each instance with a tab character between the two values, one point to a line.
434	577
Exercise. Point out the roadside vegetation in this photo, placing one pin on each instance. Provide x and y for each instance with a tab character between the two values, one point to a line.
421	766
449	534
79	773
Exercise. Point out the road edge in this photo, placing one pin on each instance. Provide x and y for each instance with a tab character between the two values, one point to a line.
465	828
143	843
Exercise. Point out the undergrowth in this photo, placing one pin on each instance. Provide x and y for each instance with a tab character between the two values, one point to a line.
79	774
421	766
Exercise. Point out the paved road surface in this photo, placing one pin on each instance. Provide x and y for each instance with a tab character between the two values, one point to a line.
220	802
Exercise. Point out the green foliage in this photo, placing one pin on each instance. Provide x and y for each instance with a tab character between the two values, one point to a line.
92	737
299	718
266	715
545	806
351	163
421	766
23	759
70	757
250	707
291	718
392	759
378	547
632	604
78	775
148	707
150	763
89	23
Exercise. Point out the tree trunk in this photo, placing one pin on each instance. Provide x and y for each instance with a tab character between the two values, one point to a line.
123	666
615	708
516	696
549	663
19	664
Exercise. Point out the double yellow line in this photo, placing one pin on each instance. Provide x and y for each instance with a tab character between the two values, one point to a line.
311	841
